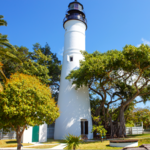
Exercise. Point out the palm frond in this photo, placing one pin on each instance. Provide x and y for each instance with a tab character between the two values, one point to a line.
3	40
1	16
7	44
2	21
1	88
10	55
2	75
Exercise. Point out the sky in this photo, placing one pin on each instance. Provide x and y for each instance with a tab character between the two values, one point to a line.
111	23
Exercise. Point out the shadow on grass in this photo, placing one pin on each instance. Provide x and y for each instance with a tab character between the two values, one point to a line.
55	141
11	142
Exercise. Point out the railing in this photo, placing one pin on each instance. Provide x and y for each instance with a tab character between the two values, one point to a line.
134	130
75	9
75	16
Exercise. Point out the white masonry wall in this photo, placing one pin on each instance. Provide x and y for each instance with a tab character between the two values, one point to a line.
74	104
43	133
27	135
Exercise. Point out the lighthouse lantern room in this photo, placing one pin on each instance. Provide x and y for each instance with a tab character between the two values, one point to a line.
75	111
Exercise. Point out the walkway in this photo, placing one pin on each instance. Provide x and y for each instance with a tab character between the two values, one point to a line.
60	146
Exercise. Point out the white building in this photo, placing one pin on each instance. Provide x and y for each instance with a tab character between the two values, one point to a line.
75	112
35	134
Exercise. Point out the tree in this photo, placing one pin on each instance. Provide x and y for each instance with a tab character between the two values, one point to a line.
25	102
138	115
123	76
53	65
99	128
5	52
4	42
41	62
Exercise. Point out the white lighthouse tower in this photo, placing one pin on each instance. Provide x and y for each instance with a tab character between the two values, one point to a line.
75	112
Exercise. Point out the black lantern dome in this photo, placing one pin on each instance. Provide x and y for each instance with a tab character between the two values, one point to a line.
75	12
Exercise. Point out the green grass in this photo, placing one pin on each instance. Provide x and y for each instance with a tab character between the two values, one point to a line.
97	145
11	143
52	141
43	146
139	136
143	139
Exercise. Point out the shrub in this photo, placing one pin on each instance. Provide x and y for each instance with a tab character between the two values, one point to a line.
72	141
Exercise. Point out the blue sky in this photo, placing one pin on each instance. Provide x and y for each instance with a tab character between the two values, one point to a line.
111	23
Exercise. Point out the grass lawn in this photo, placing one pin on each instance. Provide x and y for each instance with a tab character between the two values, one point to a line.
139	136
96	145
52	141
43	146
11	143
143	139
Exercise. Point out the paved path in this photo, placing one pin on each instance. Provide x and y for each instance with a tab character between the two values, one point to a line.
60	146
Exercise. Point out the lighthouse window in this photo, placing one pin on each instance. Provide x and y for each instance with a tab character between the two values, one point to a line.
75	6
71	58
72	6
80	7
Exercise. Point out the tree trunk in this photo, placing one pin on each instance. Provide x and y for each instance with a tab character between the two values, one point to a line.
118	127
121	132
111	126
19	133
18	142
74	147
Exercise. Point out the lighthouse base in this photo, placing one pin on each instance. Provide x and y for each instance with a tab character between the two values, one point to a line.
75	114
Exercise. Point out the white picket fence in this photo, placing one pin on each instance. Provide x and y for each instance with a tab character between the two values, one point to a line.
134	130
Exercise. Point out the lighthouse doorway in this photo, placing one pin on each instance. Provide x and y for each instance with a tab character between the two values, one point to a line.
84	127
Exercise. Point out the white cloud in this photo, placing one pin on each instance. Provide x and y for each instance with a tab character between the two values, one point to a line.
138	45
61	51
144	42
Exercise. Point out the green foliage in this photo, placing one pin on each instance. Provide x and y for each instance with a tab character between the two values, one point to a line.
41	62
138	115
5	52
26	101
99	128
4	42
117	77
72	141
2	21
131	124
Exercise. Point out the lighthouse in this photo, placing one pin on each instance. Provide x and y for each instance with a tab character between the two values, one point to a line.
75	112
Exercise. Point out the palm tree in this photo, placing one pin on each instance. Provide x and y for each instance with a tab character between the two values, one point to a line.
2	21
72	141
5	43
